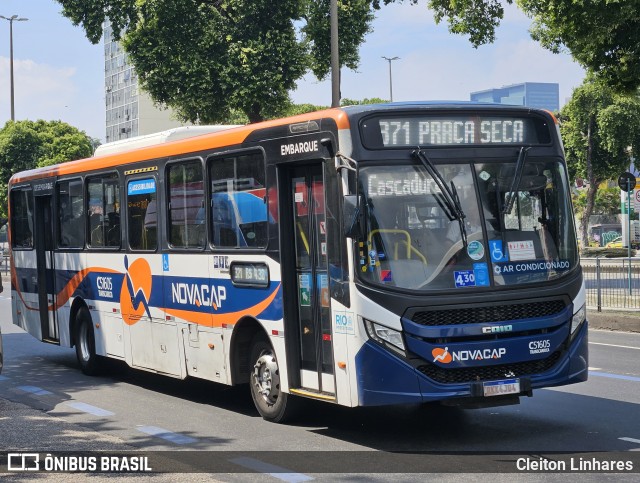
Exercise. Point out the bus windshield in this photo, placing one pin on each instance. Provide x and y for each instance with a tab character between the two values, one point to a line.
413	241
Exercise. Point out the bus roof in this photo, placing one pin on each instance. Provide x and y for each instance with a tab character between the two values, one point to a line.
359	108
227	137
161	137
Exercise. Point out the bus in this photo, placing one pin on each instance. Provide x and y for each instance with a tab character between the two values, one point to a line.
401	253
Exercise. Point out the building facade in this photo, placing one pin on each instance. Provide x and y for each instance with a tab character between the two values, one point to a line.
129	111
540	95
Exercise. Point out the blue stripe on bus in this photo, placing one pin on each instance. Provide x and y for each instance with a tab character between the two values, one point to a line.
170	292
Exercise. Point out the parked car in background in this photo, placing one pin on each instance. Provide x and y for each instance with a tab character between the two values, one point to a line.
615	243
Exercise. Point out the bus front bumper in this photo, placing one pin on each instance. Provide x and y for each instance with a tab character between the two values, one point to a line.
384	378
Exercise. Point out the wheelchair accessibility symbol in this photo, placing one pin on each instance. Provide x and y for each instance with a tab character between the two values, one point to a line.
497	252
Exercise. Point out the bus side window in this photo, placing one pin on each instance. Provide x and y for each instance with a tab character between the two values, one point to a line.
186	197
22	219
70	214
238	201
142	214
103	206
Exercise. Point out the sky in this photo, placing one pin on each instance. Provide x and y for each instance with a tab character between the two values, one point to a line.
59	74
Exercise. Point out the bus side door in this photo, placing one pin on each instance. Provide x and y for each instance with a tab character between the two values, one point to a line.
309	290
43	242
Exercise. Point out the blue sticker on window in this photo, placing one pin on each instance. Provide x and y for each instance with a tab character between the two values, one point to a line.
498	254
464	278
142	187
481	272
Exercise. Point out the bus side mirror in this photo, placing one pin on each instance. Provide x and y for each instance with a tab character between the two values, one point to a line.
351	216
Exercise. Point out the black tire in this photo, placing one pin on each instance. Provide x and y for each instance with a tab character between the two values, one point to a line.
264	380
90	363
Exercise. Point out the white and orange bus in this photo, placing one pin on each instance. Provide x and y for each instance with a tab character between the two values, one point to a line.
366	255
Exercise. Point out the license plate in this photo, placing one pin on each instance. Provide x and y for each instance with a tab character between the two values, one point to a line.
498	388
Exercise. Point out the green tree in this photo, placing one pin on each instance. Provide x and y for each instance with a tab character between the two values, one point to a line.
207	59
607	202
353	102
355	17
602	35
30	144
600	130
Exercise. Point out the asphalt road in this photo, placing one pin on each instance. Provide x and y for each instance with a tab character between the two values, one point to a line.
47	404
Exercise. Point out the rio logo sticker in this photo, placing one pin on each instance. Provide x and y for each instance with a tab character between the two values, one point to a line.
344	322
135	293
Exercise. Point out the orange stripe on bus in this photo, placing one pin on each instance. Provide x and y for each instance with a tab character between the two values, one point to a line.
216	320
204	142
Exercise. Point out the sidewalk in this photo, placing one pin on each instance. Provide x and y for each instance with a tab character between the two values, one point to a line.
612	320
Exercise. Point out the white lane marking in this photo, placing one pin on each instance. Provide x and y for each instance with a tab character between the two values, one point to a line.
34	390
630	440
272	470
88	408
595	368
615	376
166	434
615	345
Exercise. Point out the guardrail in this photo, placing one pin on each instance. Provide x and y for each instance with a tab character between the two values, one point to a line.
612	283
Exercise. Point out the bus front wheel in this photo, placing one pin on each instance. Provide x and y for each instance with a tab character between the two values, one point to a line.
90	363
272	404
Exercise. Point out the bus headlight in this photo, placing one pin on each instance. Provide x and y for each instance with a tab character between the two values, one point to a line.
578	318
389	338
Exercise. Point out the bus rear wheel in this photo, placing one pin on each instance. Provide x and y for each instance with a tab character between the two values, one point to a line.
90	363
272	404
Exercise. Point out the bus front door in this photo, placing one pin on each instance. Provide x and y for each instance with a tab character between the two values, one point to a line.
43	242
311	299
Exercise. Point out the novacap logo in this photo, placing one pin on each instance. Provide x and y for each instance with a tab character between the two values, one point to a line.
445	357
135	293
441	355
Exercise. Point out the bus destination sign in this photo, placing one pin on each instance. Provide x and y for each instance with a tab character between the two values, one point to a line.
413	131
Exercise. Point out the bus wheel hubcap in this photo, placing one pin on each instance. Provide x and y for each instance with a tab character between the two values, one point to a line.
266	378
84	343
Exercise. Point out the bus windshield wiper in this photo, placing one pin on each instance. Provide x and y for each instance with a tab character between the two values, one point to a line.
517	176
448	195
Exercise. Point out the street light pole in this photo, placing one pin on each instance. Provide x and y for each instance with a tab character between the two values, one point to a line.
389	59
11	20
335	57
